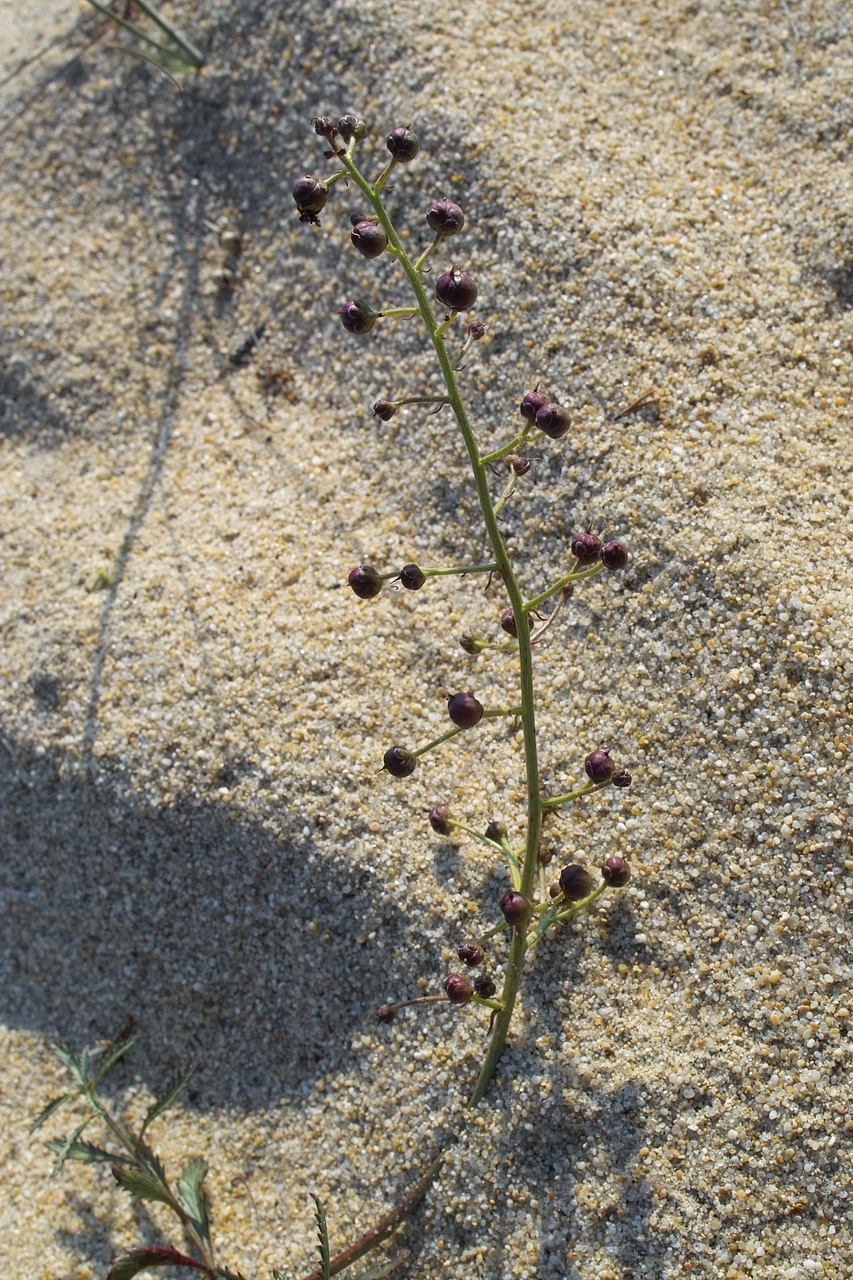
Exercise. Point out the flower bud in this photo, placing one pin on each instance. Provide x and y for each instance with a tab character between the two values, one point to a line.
456	290
520	466
532	403
459	989
515	907
402	144
365	581
310	197
616	871
621	778
412	577
576	883
553	420
508	623
384	409
464	710
599	767
324	126
399	762
470	953
386	1013
484	987
369	238
476	330
445	218
349	127
586	548
472	644
496	831
614	556
357	317
439	819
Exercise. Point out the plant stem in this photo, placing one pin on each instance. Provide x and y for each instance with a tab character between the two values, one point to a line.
525	653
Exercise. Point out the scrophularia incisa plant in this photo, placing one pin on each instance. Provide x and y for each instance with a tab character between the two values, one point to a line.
541	897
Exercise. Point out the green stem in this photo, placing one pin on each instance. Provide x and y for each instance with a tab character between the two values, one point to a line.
574	576
515	959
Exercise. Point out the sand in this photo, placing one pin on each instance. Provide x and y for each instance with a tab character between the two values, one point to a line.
197	841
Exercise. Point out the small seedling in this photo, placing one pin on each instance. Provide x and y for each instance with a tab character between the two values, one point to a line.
176	54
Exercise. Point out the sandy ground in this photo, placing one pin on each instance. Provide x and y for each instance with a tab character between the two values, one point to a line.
194	709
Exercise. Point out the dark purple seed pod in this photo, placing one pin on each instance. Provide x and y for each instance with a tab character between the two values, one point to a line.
369	238
399	762
614	556
357	317
616	871
386	1013
459	989
349	127
520	466
599	767
484	987
456	290
586	548
576	883
553	420
445	218
439	819
470	953
310	197
472	644
476	330
496	831
464	710
412	577
365	581
508	623
621	778
384	409
532	403
324	126
402	144
515	907
544	856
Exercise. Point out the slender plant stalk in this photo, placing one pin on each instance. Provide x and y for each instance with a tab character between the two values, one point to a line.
515	959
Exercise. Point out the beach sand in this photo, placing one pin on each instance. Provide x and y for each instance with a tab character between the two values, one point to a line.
198	845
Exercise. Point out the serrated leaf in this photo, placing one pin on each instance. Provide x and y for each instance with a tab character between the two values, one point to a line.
149	1160
85	1151
111	1057
126	1267
64	1146
323	1233
72	1066
168	1097
53	1105
141	1184
384	1268
191	1196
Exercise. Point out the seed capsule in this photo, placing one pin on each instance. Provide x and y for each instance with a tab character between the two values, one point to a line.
386	1013
349	127
532	403
586	548
456	290
599	767
464	710
616	871
496	831
399	762
357	317
459	989
576	883
384	409
553	420
445	218
412	577
365	581
470	953
614	556
621	778
310	197
369	238
402	144
484	987
520	466
438	819
515	907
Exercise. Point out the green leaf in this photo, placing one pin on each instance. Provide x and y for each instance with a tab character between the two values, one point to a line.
141	1184
126	1267
323	1233
66	1057
64	1146
112	1056
85	1151
149	1161
222	1274
191	1196
278	1275
166	1099
53	1105
384	1268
